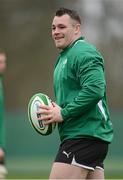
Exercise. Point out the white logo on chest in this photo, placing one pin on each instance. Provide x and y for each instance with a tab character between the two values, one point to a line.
64	63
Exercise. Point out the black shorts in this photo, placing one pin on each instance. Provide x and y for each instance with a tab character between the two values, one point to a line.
83	152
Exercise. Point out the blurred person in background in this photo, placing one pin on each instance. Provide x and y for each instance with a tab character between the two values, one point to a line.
2	127
81	111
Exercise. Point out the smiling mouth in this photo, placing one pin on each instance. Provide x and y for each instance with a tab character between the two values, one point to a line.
58	38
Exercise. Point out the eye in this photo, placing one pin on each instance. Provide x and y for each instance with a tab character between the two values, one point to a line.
53	27
61	27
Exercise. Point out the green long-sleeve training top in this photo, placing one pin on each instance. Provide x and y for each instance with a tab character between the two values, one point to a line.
80	91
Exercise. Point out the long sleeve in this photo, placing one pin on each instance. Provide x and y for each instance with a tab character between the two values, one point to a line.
92	82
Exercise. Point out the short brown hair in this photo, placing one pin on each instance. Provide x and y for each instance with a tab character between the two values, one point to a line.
72	13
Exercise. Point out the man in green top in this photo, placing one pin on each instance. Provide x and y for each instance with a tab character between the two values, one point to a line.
81	111
2	128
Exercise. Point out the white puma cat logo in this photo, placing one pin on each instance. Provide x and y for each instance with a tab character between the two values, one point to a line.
67	154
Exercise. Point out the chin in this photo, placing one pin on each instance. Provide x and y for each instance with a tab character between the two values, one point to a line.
59	46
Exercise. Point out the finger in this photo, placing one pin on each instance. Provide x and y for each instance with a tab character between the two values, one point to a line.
48	122
44	107
44	112
47	117
54	104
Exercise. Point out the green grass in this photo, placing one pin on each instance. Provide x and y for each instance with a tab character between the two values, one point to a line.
114	168
25	168
39	168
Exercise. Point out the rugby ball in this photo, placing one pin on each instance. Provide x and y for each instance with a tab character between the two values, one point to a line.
33	106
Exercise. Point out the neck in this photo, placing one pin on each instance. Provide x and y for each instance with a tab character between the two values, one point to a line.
75	38
72	42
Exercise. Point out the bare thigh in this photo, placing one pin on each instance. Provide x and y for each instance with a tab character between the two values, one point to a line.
67	171
96	174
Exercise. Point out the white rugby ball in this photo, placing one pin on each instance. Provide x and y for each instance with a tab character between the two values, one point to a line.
33	107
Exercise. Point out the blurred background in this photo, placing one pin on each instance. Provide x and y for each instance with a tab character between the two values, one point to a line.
25	35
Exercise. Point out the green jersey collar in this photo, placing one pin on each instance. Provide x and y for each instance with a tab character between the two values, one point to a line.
71	45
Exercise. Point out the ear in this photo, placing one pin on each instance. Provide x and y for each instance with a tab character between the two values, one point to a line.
77	29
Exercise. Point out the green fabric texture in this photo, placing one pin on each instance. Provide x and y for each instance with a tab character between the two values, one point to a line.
80	90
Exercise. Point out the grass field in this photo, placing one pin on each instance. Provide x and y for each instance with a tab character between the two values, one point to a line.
39	168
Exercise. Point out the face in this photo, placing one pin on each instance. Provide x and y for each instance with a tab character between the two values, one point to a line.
64	31
2	63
